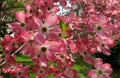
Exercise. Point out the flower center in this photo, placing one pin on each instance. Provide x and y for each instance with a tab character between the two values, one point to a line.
41	71
43	49
99	28
85	53
100	72
44	29
102	44
62	56
22	24
19	73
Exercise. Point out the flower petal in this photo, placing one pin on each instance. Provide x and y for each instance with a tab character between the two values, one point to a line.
20	16
39	38
92	74
51	19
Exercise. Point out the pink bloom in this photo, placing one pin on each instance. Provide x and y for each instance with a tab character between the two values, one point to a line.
85	49
25	23
72	45
100	26
45	48
38	28
21	17
23	72
101	71
105	44
22	37
28	48
12	69
40	71
48	28
67	73
17	70
1	77
8	43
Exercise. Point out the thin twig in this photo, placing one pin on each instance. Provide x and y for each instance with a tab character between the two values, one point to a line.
3	61
17	50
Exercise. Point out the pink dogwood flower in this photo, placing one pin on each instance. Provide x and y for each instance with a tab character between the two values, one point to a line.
45	48
103	70
49	28
9	44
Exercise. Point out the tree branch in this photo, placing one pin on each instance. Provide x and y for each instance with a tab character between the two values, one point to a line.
3	61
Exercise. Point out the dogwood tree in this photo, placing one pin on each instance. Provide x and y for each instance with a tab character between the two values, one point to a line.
54	42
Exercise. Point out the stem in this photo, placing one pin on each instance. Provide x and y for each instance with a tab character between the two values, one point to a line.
17	50
1	3
3	61
77	11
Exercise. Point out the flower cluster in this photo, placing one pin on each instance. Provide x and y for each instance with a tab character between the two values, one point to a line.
51	39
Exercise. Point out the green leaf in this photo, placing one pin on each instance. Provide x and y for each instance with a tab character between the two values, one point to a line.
1	48
7	75
80	70
63	26
50	76
32	75
23	59
64	29
81	66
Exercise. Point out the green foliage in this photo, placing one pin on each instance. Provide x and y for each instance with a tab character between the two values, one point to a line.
50	76
23	59
79	69
81	66
32	75
64	29
114	58
116	73
7	16
63	26
115	55
7	10
6	75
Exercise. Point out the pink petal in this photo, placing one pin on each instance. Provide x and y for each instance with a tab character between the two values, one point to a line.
92	74
102	20
39	38
107	68
104	76
20	16
51	19
110	42
106	50
28	7
26	68
88	59
1	77
15	27
25	48
25	35
72	46
50	56
53	48
52	35
38	21
98	62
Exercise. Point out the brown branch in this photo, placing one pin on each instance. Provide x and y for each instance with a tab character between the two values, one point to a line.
3	61
1	3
